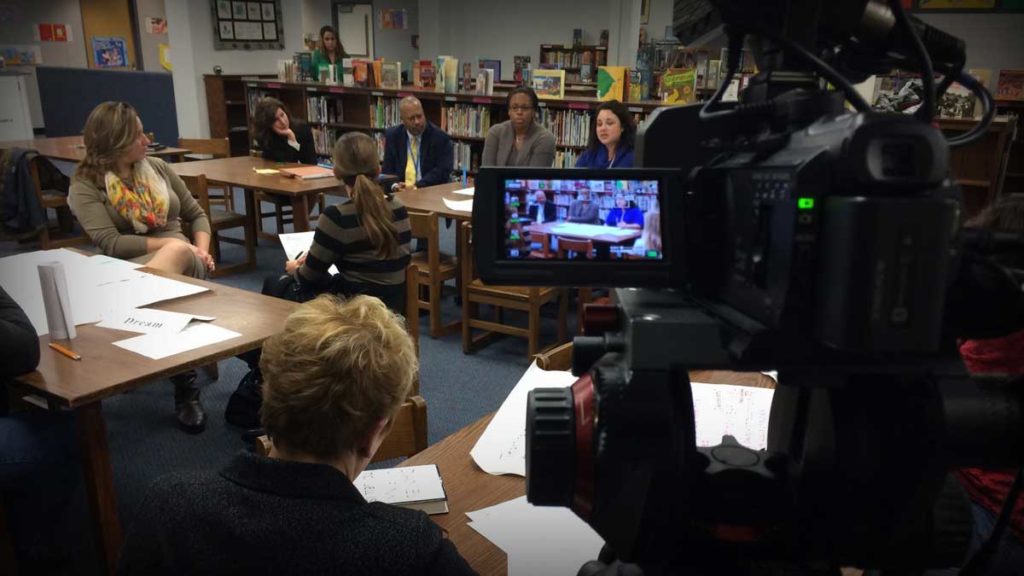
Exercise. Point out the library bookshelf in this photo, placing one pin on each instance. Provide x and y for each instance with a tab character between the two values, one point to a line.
334	110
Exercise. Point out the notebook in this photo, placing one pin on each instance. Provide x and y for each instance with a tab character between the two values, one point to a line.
413	487
308	172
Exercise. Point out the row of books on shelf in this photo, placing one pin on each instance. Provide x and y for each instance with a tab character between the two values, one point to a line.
566	158
578	57
321	110
466	120
570	127
465	155
384	112
325	137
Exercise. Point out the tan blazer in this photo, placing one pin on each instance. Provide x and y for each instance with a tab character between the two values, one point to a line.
538	148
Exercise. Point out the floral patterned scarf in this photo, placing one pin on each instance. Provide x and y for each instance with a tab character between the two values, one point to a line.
145	203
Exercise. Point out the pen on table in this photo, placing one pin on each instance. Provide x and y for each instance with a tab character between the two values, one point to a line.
65	351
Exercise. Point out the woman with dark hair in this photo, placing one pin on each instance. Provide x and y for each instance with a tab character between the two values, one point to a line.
282	137
331	51
520	140
611	139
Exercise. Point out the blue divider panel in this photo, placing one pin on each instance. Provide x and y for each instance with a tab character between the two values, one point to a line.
68	95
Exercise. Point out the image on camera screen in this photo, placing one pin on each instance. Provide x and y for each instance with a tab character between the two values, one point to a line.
567	219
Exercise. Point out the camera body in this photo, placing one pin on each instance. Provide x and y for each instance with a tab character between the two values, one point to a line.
794	235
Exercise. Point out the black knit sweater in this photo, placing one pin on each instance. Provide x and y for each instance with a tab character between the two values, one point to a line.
266	516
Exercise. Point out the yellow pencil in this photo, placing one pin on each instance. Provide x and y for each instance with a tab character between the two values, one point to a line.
65	351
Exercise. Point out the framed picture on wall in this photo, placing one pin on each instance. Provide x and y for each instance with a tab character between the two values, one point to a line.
248	25
270	31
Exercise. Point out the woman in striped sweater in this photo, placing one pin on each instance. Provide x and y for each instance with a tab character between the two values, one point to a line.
366	235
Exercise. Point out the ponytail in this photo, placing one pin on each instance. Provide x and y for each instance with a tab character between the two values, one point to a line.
375	215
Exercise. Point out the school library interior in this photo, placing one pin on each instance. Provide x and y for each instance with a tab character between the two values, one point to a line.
455	287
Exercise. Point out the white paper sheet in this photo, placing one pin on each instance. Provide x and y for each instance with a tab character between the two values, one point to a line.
146	321
501	449
466	191
297	243
460	205
407	484
97	285
537	540
588	230
741	411
160	346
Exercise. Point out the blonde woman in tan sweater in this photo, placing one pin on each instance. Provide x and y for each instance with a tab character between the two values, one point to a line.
133	207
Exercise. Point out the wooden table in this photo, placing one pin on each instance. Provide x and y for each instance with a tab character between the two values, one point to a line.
469	488
106	370
240	171
71	148
603	241
431	199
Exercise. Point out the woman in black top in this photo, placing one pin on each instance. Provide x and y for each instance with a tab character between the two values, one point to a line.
282	137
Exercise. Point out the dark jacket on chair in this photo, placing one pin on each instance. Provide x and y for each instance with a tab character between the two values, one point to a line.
260	515
20	209
435	155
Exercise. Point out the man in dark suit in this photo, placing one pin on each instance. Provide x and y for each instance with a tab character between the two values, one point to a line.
418	152
541	206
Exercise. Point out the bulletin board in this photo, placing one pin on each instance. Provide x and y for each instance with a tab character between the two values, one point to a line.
245	25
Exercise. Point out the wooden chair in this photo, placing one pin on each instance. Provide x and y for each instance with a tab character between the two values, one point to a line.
56	200
408	435
433	268
281	212
526	299
206	149
567	245
224	220
557	358
544	240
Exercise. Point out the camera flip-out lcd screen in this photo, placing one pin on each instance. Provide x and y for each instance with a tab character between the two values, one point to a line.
600	227
570	219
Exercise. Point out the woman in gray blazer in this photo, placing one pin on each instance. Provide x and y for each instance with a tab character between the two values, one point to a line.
520	140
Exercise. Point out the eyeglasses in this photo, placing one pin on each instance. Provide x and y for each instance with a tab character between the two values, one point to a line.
522	109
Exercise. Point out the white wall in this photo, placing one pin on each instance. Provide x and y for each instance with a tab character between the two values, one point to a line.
190	28
470	30
19	22
315	15
149	46
397	44
661	16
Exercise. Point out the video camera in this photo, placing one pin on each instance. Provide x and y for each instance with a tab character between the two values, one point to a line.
793	235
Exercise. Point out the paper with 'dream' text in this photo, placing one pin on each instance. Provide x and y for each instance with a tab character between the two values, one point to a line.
148	321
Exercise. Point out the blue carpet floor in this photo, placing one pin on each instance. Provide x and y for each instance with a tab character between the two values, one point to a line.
145	443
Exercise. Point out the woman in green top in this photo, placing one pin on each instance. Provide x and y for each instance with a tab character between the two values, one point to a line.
331	50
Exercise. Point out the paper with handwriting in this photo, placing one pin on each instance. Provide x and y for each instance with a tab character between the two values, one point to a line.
740	411
396	485
501	449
